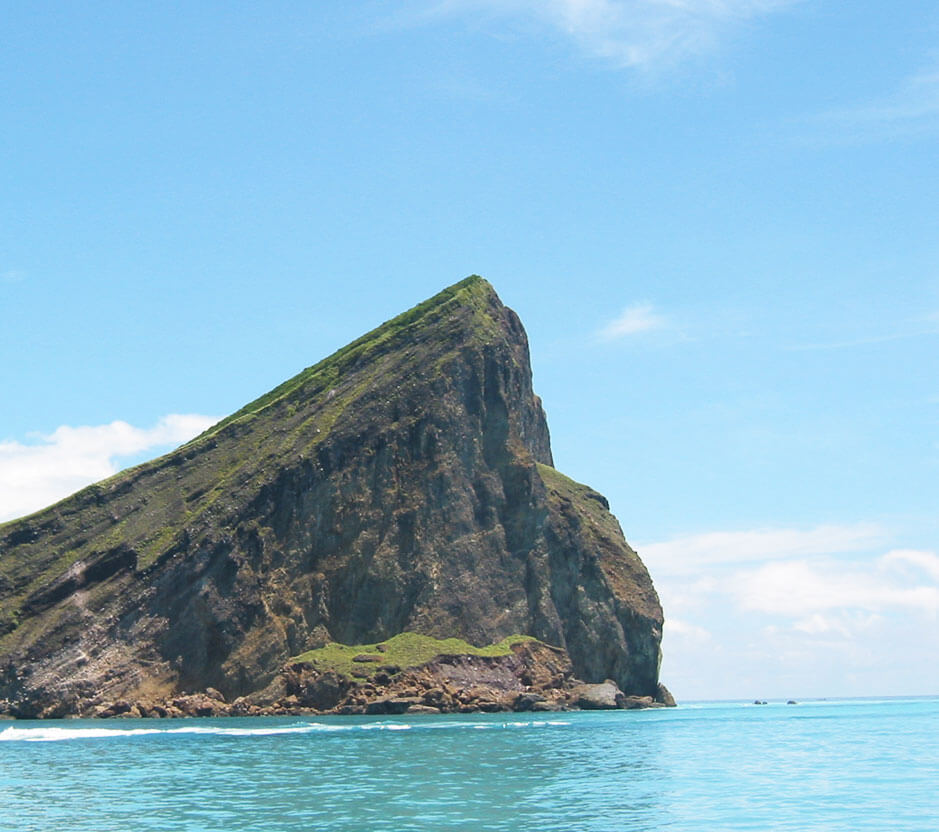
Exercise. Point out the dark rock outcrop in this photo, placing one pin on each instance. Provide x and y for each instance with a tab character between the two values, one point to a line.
402	484
605	696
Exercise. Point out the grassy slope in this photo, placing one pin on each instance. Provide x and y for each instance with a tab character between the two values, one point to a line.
587	502
622	567
327	372
403	650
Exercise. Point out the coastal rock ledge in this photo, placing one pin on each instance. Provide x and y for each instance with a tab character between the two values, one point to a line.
382	533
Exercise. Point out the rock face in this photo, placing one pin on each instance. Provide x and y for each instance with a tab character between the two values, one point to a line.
403	484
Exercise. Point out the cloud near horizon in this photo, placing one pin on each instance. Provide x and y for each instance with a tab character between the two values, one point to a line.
35	475
637	34
836	598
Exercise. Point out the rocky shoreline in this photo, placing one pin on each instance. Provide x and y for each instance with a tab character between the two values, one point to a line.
533	678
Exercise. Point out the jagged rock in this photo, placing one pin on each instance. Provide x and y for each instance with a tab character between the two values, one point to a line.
422	709
312	689
492	706
633	703
120	708
605	696
393	705
664	696
403	484
527	701
199	704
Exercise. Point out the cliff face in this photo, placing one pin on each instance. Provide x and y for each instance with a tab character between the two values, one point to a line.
403	484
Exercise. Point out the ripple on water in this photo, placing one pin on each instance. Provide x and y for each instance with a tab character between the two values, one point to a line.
826	766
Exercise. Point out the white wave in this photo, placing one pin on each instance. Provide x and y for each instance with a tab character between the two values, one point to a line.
47	733
55	734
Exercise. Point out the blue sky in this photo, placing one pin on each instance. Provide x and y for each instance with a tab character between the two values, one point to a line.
717	220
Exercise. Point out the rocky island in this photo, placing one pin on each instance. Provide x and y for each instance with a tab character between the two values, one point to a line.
383	533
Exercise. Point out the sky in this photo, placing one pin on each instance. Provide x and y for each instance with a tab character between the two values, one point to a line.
717	220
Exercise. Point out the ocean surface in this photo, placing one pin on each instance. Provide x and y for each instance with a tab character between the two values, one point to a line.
839	765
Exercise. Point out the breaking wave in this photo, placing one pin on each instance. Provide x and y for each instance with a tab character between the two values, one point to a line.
59	734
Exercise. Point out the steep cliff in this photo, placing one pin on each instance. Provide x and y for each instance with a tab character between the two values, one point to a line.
404	484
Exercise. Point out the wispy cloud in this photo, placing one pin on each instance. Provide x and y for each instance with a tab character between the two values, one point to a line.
695	553
911	109
861	342
639	34
34	475
639	317
683	629
913	559
915	327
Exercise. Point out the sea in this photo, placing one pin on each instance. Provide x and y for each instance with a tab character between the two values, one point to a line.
843	765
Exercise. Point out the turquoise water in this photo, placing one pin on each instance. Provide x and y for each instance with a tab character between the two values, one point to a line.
849	765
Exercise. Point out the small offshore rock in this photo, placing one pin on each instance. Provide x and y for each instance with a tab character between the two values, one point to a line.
664	695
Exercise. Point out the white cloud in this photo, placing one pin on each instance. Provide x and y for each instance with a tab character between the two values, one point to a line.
927	562
845	625
642	34
634	319
686	630
696	552
830	610
799	589
37	474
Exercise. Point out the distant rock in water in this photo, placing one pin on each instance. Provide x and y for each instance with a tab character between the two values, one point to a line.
404	485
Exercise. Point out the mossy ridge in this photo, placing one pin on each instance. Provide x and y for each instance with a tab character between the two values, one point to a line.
622	567
403	650
587	502
473	293
327	372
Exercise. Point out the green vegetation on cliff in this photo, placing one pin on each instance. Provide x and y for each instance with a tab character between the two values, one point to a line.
473	291
390	488
308	407
590	504
403	650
